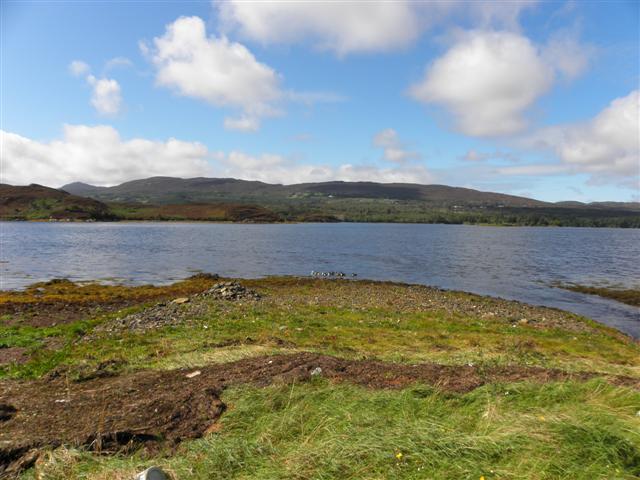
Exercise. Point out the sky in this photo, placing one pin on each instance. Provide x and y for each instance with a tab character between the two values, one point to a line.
532	98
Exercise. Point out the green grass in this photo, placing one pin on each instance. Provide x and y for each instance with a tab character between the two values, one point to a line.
371	333
323	431
318	430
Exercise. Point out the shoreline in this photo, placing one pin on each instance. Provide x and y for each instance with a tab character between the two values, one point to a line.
203	364
222	222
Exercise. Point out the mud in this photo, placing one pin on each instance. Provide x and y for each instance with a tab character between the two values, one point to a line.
13	355
158	409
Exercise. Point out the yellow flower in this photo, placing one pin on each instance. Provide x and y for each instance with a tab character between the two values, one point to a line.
481	477
399	455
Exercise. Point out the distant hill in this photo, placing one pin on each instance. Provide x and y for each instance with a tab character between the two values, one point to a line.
36	202
176	190
231	200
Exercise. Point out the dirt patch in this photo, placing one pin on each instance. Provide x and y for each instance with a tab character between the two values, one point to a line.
158	409
13	355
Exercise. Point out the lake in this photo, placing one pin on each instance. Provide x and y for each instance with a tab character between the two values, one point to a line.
519	263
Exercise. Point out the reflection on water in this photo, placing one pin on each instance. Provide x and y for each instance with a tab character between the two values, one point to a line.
516	263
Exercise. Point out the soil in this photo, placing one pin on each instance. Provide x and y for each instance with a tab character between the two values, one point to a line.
56	313
159	409
13	355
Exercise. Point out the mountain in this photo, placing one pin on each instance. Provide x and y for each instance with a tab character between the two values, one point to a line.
171	190
36	202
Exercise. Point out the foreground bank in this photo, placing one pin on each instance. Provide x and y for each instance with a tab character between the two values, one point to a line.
310	378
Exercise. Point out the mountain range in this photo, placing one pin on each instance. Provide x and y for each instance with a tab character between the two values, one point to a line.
163	190
228	199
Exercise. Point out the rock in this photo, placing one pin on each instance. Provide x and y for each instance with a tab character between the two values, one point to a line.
523	321
193	374
181	300
152	473
316	371
231	291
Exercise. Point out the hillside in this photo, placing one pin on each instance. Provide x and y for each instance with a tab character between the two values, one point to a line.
36	202
177	190
230	200
214	212
365	202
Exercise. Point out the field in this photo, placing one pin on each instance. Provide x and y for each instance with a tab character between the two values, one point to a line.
310	378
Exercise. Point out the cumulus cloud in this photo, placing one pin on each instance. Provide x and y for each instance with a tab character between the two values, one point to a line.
97	155
280	169
606	146
354	27
394	150
216	70
78	68
343	27
107	97
487	80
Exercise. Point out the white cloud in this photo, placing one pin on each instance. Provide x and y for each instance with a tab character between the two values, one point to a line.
476	156
243	123
394	150
78	68
606	146
343	27
494	13
351	27
487	80
99	156
567	55
117	62
279	169
107	97
216	70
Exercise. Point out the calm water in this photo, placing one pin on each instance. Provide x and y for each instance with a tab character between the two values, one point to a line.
513	263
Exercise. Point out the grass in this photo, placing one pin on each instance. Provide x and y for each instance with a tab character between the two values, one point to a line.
285	321
324	431
558	430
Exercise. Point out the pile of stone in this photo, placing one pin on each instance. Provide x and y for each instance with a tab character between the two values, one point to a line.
231	291
160	315
179	310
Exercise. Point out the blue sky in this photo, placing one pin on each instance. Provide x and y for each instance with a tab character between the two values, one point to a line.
530	98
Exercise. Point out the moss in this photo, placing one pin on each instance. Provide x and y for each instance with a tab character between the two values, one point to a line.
630	296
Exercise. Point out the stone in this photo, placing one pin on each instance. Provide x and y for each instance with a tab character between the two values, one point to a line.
152	473
181	300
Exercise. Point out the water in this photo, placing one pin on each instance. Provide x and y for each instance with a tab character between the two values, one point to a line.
519	263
